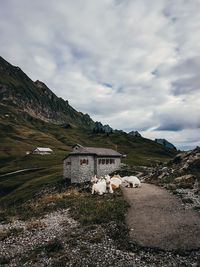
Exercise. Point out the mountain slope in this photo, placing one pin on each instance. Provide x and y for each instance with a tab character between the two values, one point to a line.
165	143
36	99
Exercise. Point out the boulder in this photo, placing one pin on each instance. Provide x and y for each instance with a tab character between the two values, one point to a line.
185	181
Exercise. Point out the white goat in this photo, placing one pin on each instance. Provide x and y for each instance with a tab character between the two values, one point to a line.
94	179
108	184
115	181
99	187
133	181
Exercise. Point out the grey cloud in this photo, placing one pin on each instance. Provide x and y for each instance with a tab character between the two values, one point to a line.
178	118
170	126
186	85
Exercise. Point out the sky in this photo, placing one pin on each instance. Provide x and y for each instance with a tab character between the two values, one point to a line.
132	64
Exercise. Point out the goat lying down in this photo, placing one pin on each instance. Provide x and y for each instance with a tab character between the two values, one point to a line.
107	184
132	181
115	181
101	186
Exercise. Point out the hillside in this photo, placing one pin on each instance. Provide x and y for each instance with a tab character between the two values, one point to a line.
36	99
31	115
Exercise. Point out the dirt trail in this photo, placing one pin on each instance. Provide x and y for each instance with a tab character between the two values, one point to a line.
20	171
158	219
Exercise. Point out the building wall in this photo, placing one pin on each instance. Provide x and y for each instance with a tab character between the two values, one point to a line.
76	172
103	169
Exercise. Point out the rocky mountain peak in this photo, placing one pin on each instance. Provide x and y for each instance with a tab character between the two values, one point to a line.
40	84
135	134
165	143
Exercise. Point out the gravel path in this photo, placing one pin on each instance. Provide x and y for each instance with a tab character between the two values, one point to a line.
158	219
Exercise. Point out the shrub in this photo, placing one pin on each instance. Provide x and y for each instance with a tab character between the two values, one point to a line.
53	246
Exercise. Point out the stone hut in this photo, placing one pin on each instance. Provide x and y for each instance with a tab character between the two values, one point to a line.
84	162
42	151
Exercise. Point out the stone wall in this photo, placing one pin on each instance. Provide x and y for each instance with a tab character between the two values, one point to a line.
103	169
78	173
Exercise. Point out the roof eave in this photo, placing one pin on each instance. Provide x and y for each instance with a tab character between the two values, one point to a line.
92	154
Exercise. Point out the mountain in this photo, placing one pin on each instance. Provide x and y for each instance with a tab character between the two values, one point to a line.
165	143
100	128
36	99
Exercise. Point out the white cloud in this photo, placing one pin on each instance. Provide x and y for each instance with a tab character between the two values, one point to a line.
132	64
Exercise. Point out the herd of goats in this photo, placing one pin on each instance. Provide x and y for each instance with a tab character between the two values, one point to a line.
108	184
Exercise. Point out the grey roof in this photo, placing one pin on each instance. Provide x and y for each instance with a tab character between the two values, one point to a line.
95	151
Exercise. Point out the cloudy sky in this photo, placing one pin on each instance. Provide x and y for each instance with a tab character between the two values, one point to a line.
132	64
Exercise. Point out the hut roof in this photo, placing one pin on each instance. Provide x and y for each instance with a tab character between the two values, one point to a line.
80	150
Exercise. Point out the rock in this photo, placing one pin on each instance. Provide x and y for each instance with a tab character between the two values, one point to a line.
135	133
171	187
187	200
196	185
185	181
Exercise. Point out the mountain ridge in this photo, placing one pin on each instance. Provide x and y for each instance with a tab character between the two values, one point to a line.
37	99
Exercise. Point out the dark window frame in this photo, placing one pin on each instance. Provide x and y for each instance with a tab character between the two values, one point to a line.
84	161
106	161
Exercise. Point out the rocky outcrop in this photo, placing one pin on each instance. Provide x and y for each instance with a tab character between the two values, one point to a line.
135	134
181	172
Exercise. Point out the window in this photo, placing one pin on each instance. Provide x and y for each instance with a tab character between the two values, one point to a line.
68	163
112	161
84	161
106	161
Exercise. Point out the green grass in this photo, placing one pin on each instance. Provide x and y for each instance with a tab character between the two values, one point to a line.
22	187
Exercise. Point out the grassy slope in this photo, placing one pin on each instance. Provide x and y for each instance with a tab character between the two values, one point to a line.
18	136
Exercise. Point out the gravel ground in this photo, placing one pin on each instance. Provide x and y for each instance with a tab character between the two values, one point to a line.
190	198
81	246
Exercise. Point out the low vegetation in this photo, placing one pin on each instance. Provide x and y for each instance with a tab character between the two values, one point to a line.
84	207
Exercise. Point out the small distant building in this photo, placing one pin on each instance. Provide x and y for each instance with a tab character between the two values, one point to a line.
84	162
42	151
